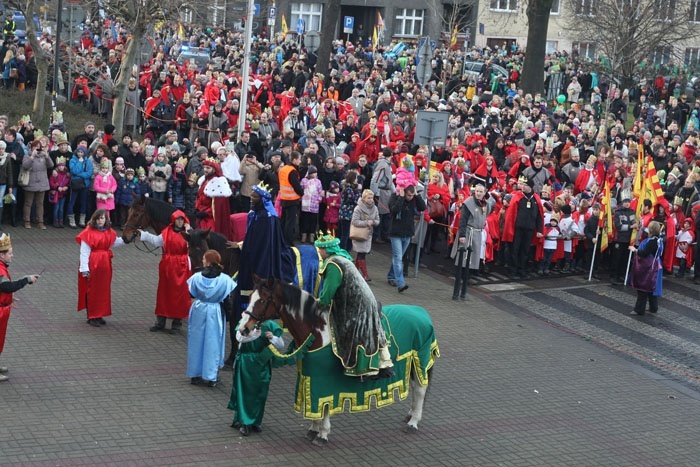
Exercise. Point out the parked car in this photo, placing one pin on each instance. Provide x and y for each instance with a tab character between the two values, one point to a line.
201	56
473	69
21	26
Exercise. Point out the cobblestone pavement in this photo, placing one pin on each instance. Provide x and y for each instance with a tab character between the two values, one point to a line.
508	390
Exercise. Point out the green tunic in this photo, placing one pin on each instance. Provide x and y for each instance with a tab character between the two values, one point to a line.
251	379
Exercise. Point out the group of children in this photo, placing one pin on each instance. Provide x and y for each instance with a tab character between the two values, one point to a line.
311	201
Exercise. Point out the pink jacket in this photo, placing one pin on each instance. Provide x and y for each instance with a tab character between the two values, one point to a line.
105	187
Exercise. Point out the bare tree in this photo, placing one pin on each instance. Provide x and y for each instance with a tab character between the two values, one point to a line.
331	15
629	33
537	11
29	8
137	16
454	13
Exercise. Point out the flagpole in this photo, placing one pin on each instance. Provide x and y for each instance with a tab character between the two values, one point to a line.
629	262
595	245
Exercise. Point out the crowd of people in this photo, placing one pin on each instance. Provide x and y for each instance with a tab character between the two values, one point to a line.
519	182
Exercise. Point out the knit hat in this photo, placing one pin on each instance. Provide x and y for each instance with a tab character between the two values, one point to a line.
105	163
141	172
312	170
162	151
334	185
81	147
119	160
130	171
150	150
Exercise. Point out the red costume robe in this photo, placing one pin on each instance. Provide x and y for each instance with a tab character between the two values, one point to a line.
173	299
95	291
5	306
217	210
512	215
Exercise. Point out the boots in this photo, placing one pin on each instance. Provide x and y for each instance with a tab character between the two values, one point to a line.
71	221
312	237
176	327
60	223
681	268
81	223
303	238
160	324
362	267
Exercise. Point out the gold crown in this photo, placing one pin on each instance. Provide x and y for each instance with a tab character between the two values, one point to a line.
58	116
60	160
5	242
326	240
25	119
522	179
182	161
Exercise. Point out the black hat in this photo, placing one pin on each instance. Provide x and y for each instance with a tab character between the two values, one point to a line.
286	144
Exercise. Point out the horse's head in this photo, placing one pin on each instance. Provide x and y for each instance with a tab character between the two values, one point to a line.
264	304
136	220
197	244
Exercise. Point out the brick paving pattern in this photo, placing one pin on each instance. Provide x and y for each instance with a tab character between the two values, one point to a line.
508	390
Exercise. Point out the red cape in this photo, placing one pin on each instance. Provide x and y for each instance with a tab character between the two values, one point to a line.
512	214
95	292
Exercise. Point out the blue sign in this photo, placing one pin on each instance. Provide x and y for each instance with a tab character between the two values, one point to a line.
256	9
301	27
273	13
348	24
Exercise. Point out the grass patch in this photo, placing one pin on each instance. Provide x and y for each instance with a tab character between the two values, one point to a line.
14	104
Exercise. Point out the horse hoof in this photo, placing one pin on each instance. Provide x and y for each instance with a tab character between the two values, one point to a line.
320	442
410	429
311	435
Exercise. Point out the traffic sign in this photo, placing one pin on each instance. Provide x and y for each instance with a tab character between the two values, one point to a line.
348	24
301	27
256	9
273	13
312	41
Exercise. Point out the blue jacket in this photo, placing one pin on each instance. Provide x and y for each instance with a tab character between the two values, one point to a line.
81	169
125	191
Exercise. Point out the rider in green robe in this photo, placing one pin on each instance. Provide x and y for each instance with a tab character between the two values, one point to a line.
251	378
357	335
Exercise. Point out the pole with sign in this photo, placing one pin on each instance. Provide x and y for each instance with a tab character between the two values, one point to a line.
243	108
348	25
431	129
271	17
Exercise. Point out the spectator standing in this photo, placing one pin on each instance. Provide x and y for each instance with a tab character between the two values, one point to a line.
404	207
365	215
38	163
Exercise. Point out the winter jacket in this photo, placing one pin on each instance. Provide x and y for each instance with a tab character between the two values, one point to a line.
126	190
158	176
82	169
403	213
364	216
176	190
6	170
38	167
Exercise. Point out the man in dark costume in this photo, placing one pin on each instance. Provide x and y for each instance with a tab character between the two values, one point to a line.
263	252
357	335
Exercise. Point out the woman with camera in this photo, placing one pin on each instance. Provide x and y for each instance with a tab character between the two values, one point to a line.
37	163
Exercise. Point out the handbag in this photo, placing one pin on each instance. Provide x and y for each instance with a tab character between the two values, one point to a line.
644	273
23	179
359	234
77	183
14	73
436	210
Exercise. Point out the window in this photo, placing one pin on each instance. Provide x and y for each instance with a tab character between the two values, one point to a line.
552	47
409	22
555	7
504	5
584	49
585	7
692	56
664	9
695	11
309	12
187	15
661	55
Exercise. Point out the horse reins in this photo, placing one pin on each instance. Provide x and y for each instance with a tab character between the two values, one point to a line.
143	249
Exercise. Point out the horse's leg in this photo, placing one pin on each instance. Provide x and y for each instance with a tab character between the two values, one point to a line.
417	398
313	430
412	395
325	430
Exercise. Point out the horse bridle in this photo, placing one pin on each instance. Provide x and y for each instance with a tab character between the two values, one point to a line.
259	318
143	249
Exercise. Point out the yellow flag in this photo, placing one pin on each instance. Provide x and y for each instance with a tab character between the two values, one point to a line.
453	37
284	25
606	221
374	38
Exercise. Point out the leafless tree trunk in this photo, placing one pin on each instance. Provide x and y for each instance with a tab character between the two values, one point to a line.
331	16
28	9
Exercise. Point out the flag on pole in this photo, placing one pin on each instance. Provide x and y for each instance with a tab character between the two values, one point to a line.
638	190
181	31
453	37
375	38
653	186
380	28
605	223
284	25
